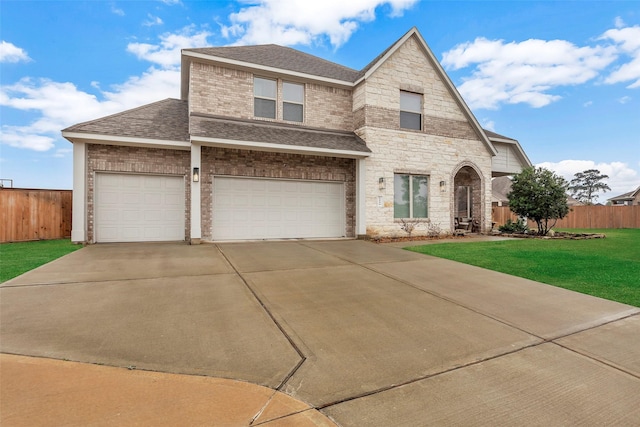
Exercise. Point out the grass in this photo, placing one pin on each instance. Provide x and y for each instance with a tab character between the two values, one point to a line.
607	268
18	258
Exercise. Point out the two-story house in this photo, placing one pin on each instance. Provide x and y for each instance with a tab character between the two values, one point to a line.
268	142
627	199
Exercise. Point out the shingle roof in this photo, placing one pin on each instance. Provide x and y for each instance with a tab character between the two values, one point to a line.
491	134
274	133
166	120
285	58
626	196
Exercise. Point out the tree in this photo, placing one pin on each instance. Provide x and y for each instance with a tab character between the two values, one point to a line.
540	195
587	184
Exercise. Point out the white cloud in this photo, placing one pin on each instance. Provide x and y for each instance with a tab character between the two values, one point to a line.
303	21
12	53
167	52
628	42
116	10
152	20
622	177
523	72
618	22
22	137
152	85
587	104
624	99
62	152
171	2
61	104
489	125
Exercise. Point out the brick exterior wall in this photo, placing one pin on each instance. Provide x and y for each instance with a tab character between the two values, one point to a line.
227	92
112	158
259	164
445	145
220	91
467	176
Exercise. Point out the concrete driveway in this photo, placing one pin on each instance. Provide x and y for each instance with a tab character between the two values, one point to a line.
367	334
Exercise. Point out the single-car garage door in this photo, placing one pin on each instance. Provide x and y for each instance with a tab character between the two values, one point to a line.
139	208
247	208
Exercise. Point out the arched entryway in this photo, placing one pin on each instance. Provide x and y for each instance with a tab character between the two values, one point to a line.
467	197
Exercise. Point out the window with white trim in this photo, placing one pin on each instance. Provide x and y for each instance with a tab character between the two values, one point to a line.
410	110
265	92
410	196
292	102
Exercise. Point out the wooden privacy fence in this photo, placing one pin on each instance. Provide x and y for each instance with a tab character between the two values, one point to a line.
34	214
583	217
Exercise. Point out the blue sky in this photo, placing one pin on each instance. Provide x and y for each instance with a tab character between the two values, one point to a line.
562	77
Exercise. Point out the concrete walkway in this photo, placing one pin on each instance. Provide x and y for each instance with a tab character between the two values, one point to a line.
310	333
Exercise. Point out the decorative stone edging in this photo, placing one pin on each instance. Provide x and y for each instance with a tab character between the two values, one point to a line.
556	236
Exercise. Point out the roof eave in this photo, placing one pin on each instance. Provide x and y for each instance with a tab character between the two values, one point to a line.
279	148
94	138
520	151
274	71
185	71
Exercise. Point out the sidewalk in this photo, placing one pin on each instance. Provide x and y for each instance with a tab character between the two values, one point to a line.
46	392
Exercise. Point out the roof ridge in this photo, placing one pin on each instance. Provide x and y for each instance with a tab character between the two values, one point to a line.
315	57
280	57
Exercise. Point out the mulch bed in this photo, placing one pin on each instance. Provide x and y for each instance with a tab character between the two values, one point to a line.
414	238
557	236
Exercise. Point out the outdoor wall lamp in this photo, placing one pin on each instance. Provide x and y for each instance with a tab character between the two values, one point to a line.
196	174
381	184
443	185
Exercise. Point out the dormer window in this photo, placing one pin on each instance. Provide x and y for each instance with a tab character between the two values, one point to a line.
410	110
265	93
292	101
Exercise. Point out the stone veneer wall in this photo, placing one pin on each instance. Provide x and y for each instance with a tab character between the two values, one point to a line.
420	154
112	158
226	92
446	142
258	164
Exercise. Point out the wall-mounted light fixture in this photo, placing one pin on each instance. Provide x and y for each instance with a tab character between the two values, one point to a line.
443	186
381	184
196	174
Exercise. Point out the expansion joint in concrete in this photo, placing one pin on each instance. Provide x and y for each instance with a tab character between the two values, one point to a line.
273	319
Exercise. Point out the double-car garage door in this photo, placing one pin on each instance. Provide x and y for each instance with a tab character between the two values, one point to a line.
137	208
248	208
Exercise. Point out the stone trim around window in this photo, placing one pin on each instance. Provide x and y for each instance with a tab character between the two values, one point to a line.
410	202
410	110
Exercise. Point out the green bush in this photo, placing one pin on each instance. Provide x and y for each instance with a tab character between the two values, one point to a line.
514	227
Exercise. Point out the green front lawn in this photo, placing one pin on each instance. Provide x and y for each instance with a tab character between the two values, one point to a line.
18	258
608	268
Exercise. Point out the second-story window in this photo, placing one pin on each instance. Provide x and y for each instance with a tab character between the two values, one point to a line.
265	93
410	110
292	101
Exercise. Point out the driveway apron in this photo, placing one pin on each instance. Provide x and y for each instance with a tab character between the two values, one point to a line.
369	334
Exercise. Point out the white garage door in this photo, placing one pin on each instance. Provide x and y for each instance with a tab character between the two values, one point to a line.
139	208
245	208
